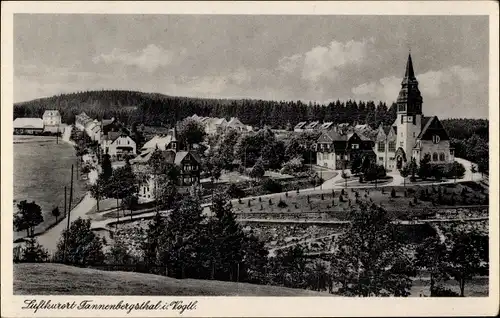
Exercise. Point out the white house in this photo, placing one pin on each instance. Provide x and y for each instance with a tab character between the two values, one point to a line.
118	146
51	118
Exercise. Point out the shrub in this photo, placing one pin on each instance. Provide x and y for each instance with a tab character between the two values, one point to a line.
282	204
33	252
234	191
393	193
272	186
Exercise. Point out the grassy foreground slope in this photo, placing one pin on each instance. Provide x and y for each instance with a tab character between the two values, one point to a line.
58	279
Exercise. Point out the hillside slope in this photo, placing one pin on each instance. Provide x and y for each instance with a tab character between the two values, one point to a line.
58	279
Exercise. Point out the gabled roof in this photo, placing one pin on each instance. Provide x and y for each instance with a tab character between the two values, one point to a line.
51	113
331	135
326	125
300	125
234	122
431	127
158	141
106	122
26	122
170	156
312	125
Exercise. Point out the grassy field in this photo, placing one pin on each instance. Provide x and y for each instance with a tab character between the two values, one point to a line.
399	207
57	279
41	170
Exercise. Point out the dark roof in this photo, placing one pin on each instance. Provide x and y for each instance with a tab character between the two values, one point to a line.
432	127
410	74
386	128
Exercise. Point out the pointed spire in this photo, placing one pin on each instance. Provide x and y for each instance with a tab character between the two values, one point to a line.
410	74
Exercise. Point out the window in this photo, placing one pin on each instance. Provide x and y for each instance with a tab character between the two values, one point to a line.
355	146
391	158
435	156
381	146
413	134
409	119
435	139
441	157
401	144
380	158
392	146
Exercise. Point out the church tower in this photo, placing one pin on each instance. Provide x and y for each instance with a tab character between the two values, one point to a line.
409	114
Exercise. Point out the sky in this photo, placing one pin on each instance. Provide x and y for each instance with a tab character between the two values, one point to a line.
308	58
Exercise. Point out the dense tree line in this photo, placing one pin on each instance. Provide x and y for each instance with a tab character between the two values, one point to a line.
157	109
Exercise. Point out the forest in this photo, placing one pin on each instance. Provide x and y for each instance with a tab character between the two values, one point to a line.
163	110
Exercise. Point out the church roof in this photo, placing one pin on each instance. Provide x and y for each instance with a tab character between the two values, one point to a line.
432	127
410	74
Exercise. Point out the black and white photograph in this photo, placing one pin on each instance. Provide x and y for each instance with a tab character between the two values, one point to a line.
317	155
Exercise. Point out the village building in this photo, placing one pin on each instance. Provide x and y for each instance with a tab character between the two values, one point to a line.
118	145
236	124
385	147
28	126
81	120
188	162
52	121
336	150
417	135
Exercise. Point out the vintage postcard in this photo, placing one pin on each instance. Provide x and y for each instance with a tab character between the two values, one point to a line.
252	159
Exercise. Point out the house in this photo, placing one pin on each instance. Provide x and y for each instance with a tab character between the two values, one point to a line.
235	123
417	135
81	120
188	162
118	145
28	126
336	150
162	142
299	127
52	121
214	125
51	118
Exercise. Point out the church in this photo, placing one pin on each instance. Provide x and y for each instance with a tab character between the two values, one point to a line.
412	135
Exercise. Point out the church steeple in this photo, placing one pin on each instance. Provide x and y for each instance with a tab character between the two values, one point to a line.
410	74
409	99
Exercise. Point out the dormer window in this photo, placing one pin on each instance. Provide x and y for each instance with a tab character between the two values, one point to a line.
435	139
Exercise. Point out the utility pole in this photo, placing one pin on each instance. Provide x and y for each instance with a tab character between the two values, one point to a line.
69	214
65	201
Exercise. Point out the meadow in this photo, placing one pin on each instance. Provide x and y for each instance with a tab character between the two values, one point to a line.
42	169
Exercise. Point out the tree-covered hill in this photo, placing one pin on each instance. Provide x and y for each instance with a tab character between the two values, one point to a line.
158	109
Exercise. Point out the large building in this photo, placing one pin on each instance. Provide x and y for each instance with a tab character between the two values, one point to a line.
336	150
28	126
51	118
410	136
414	135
